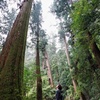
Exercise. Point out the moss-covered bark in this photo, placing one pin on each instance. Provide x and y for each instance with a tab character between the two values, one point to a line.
12	56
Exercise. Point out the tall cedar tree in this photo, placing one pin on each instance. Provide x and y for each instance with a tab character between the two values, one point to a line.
12	56
35	25
39	80
74	81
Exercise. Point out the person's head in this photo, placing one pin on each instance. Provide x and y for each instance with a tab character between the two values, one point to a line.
59	87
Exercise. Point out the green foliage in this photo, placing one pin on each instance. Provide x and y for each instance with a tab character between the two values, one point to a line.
43	41
36	18
30	84
84	17
84	20
48	92
61	8
29	81
35	25
59	67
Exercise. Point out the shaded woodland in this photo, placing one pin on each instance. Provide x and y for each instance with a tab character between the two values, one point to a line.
32	62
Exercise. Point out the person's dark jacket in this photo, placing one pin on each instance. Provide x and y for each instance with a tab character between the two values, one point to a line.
58	95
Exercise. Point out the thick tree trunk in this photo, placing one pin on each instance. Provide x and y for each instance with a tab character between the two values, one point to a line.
48	70
94	48
39	80
12	56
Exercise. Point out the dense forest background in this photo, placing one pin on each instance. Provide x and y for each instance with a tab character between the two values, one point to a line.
32	62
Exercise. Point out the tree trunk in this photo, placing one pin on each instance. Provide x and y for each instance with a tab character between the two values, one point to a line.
48	70
68	59
82	96
39	80
94	48
12	56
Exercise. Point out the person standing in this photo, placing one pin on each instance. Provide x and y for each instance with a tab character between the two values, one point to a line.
58	92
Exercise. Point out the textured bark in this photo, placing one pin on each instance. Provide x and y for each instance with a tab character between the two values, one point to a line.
12	56
82	96
39	80
68	59
49	70
94	48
